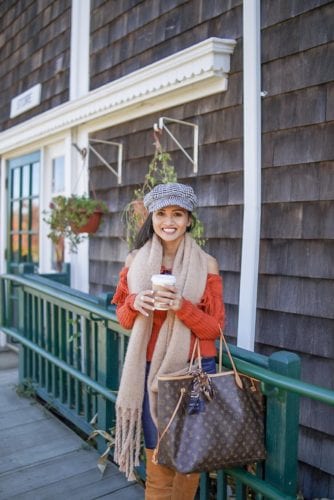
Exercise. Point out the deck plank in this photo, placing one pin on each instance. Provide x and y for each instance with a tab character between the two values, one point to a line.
86	486
42	458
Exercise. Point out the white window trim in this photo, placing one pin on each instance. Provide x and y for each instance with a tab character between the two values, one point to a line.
75	181
193	73
45	245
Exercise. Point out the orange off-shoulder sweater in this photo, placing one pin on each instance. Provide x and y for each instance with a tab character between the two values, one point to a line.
203	319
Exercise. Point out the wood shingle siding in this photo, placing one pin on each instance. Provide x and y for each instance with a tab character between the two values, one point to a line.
297	333
131	35
35	48
295	299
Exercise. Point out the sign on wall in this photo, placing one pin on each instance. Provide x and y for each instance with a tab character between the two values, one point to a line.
27	100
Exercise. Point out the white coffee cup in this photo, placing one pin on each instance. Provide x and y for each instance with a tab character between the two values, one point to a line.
159	281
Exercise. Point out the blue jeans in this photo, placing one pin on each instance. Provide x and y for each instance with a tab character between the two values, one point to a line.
149	428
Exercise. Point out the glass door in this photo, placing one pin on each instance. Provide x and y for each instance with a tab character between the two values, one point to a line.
23	209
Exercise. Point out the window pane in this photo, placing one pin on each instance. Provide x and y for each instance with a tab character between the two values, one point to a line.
25	215
15	248
26	180
58	175
15	215
35	215
34	248
24	247
16	182
35	179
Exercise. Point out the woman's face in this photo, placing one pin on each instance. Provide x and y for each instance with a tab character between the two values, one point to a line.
170	223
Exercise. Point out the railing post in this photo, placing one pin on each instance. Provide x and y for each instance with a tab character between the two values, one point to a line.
25	368
66	271
282	426
23	350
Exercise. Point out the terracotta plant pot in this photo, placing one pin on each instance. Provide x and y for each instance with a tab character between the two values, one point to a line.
139	211
91	225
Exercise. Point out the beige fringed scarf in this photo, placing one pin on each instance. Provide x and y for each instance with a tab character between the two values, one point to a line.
172	348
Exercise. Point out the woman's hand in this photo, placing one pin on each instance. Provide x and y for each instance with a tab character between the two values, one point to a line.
170	296
144	302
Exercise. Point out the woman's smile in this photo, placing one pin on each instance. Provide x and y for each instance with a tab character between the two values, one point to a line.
169	230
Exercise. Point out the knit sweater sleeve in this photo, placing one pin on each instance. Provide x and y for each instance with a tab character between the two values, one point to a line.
125	312
205	318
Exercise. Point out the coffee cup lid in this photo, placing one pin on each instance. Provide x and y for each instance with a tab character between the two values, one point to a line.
163	279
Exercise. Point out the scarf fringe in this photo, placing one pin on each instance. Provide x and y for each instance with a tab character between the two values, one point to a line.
127	440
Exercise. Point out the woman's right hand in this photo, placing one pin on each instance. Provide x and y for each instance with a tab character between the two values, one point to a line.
144	302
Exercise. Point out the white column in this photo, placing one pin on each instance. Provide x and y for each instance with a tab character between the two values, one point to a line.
77	176
252	174
79	61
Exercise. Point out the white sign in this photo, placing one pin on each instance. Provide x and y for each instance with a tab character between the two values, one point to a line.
27	100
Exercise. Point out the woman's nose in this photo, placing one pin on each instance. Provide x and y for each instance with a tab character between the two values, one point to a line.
169	219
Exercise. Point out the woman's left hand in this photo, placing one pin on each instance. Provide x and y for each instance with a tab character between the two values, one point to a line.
170	296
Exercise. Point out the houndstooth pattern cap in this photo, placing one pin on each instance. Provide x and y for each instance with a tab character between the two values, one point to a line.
165	195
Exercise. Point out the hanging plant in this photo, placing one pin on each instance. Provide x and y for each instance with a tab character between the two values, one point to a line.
160	171
73	217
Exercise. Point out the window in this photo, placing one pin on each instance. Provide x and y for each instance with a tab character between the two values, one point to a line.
23	193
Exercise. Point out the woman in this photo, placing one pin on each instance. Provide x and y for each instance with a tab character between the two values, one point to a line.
162	341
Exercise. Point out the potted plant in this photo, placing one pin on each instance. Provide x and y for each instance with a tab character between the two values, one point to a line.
72	217
160	171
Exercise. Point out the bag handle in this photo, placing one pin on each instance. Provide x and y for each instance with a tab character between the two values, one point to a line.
222	341
156	450
199	356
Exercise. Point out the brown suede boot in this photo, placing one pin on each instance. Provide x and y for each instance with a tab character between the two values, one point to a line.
159	480
185	486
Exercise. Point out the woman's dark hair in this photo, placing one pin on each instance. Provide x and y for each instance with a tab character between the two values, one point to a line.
146	232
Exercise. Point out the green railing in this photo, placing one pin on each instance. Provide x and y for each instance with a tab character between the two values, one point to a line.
72	351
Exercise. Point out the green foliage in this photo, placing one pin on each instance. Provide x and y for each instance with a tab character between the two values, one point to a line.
197	230
160	171
67	214
26	389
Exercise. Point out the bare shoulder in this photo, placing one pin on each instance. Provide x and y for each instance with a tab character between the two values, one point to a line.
213	267
130	257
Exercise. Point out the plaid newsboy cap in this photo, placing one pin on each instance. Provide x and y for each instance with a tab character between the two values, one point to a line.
164	195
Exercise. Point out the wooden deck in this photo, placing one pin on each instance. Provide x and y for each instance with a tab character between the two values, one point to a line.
41	458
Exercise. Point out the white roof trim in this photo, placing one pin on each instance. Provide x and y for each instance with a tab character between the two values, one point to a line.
205	65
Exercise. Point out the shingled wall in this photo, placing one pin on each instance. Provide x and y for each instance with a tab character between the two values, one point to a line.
296	286
34	48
